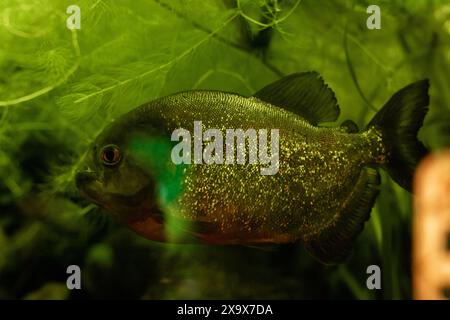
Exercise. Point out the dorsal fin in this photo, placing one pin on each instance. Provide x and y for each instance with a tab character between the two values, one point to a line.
305	94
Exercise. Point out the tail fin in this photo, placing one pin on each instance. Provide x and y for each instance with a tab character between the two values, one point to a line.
399	120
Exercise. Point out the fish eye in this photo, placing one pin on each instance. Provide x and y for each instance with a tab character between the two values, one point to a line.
110	155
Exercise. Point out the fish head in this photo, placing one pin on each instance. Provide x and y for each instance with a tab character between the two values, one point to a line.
115	179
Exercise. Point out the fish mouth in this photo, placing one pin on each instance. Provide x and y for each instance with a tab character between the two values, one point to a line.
94	190
89	186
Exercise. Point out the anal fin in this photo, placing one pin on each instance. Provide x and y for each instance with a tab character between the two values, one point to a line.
334	243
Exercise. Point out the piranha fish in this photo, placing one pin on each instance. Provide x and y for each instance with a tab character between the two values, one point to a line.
321	195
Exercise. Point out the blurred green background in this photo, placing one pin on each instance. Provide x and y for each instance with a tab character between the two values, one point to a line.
58	89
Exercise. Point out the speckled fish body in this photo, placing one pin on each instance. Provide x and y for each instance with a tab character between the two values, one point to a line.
321	195
318	170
